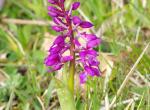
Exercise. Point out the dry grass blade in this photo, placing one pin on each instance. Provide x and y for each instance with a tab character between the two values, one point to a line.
128	106
14	40
106	102
143	78
2	107
4	73
27	22
128	76
135	82
126	102
54	104
40	101
17	42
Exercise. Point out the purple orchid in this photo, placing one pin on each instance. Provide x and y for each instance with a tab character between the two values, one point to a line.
81	53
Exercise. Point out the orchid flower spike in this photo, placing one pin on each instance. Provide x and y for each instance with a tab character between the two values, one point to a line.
68	26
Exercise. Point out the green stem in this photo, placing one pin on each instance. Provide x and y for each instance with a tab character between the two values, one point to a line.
72	53
71	77
72	66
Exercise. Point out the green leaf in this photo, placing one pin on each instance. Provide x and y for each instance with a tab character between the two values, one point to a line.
65	97
49	92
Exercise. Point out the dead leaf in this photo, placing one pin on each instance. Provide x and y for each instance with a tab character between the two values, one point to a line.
48	41
2	79
106	63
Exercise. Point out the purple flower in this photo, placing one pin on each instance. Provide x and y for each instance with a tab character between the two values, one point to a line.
62	1
58	28
58	21
52	59
52	1
83	77
56	11
69	40
93	43
76	20
87	52
55	67
53	14
66	59
92	71
75	5
86	24
77	43
89	36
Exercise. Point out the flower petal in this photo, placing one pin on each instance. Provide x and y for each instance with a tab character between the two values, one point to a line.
90	37
76	20
93	62
57	20
52	1
89	71
58	28
84	53
77	43
55	67
93	43
96	71
55	10
92	71
59	39
62	1
75	5
55	50
86	24
52	59
83	78
66	59
52	14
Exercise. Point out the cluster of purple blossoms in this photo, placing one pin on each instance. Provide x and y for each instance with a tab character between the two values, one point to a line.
70	40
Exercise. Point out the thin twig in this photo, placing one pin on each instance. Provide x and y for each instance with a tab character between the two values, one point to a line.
9	104
135	82
17	42
106	102
128	106
13	38
133	106
4	73
40	101
128	76
137	34
53	105
140	101
126	101
143	78
26	22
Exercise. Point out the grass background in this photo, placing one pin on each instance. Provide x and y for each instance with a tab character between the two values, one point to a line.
25	34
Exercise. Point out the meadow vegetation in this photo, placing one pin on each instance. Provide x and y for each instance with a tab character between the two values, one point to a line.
25	37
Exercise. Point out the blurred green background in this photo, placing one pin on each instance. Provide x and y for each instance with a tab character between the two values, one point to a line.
25	36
